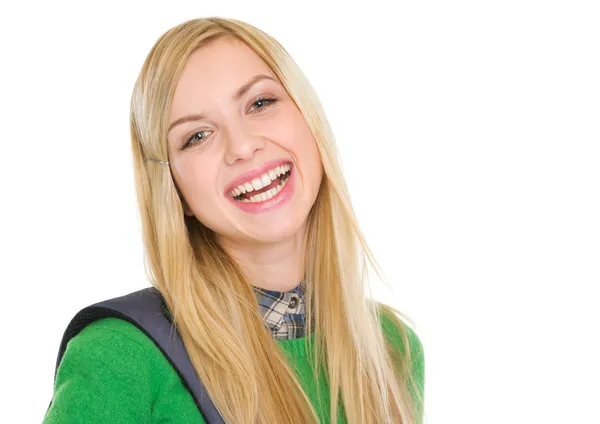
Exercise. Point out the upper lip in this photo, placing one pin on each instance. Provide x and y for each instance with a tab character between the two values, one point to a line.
255	172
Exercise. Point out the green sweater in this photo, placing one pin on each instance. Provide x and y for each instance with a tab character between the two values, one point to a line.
113	373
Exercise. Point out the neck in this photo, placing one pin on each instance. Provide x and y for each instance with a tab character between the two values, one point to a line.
273	266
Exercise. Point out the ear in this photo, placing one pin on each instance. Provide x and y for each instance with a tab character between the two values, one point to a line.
186	209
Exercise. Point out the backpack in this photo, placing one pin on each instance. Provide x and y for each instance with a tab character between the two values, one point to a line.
148	311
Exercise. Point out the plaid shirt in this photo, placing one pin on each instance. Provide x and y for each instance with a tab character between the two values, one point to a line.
283	312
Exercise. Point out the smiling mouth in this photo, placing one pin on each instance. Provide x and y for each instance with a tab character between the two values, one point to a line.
262	194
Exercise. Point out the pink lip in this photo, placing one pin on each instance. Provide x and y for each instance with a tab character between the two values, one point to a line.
256	172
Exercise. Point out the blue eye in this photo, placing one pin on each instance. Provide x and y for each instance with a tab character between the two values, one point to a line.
261	103
194	139
263	100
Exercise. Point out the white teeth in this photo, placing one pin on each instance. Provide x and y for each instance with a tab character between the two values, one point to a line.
257	184
261	197
263	181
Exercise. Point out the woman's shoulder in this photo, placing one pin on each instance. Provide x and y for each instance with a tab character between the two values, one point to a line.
400	334
113	337
109	371
112	328
103	375
128	346
394	326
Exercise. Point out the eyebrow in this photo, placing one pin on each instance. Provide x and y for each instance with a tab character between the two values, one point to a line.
241	91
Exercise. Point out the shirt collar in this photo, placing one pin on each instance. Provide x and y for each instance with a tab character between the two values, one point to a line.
283	312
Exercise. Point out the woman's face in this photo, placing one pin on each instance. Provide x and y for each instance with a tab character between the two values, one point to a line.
240	151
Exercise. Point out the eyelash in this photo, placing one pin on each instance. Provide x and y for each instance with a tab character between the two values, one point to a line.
269	100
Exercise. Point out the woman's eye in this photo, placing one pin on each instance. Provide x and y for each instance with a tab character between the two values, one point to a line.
194	139
263	102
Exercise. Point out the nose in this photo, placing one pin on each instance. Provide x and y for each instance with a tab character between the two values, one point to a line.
241	144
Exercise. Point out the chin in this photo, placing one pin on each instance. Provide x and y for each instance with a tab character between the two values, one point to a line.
275	231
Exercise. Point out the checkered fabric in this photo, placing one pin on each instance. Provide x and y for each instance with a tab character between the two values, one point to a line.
283	312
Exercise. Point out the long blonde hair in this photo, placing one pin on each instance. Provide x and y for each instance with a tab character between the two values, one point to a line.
213	305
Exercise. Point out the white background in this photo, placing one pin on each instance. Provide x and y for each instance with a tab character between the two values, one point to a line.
469	133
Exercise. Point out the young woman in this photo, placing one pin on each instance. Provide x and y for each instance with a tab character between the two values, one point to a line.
251	238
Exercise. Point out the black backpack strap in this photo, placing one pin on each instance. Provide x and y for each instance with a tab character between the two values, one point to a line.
148	311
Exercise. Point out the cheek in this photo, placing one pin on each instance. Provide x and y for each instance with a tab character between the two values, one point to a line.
301	143
316	168
198	183
308	153
295	132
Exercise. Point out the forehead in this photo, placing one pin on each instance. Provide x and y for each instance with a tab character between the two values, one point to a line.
214	72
